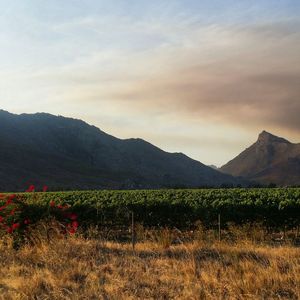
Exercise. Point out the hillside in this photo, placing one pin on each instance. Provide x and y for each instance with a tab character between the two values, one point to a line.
270	159
66	153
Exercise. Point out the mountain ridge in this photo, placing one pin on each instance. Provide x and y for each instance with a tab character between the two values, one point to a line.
271	159
66	153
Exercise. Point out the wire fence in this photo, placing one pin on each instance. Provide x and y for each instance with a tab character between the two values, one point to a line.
126	226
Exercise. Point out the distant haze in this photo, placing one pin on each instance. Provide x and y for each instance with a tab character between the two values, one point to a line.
199	77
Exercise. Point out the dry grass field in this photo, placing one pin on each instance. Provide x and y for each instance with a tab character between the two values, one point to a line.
78	268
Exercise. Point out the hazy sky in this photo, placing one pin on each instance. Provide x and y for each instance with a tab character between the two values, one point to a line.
199	77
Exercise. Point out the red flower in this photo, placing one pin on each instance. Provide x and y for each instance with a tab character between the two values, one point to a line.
12	197
9	229
15	226
52	204
13	212
31	189
9	201
45	188
75	224
2	207
1	219
60	206
72	231
26	221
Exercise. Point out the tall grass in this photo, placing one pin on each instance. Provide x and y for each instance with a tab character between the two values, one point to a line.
159	268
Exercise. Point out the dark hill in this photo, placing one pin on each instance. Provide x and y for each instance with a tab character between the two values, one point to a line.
66	153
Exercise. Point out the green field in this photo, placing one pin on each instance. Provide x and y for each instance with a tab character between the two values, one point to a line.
278	207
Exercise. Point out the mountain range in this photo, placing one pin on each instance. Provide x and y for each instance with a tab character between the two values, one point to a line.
270	159
65	153
69	154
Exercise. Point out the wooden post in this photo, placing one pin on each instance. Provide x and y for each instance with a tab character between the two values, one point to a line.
219	226
132	231
97	216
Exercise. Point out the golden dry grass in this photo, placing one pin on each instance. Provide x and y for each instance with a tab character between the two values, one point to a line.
77	268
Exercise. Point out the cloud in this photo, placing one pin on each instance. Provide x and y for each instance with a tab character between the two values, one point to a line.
238	75
149	78
252	75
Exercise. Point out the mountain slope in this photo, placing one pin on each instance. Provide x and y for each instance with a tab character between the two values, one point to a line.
270	160
66	153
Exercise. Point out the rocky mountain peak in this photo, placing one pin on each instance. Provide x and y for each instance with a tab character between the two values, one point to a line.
268	138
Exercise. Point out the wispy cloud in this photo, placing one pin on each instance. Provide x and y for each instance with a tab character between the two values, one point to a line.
178	75
228	74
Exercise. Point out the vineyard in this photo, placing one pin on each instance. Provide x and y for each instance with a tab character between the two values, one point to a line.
276	208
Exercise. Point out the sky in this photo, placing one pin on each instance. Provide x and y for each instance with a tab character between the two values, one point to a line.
199	77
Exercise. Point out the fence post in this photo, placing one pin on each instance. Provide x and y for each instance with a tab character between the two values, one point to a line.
219	226
132	231
97	215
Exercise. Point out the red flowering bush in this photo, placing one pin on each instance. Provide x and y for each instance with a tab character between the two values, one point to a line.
15	220
12	219
63	214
